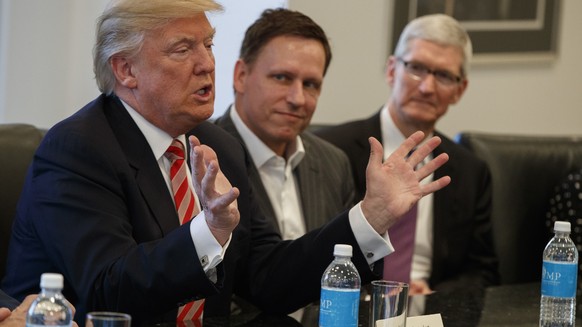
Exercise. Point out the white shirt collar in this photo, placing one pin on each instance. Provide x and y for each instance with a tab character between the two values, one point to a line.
261	153
158	140
392	137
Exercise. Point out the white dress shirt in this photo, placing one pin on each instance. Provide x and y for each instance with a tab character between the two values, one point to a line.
422	257
373	245
206	245
278	179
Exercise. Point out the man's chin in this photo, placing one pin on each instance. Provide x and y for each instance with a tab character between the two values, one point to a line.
203	114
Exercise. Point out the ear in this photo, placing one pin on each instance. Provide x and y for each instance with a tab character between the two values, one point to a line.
390	67
241	71
460	91
122	70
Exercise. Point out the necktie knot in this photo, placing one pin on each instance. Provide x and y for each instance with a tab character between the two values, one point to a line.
175	151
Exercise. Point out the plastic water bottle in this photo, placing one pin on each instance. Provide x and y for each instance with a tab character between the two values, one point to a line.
559	274
50	308
340	290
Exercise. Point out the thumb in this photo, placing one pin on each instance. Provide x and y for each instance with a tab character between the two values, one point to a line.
376	153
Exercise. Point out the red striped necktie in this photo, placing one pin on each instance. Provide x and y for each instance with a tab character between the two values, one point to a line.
185	202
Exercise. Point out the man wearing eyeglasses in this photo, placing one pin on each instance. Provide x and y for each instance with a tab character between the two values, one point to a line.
451	246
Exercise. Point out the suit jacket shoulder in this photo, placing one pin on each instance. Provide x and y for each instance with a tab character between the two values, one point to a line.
352	138
324	178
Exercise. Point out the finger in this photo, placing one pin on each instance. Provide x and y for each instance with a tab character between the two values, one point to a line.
194	141
209	154
424	150
197	163
209	179
376	153
4	313
435	185
410	143
25	304
226	199
431	166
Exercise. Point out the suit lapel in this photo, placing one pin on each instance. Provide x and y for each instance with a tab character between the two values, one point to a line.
308	170
445	200
226	123
361	152
444	208
141	159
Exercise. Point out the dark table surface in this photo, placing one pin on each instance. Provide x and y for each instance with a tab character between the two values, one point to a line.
507	305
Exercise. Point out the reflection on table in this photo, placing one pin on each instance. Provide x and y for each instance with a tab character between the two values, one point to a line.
507	305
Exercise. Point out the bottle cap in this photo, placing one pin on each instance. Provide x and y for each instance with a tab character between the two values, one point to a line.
344	250
562	226
51	280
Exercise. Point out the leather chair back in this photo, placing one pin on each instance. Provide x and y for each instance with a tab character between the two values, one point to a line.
525	169
18	142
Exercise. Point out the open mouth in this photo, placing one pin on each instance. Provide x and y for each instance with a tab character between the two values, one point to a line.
205	90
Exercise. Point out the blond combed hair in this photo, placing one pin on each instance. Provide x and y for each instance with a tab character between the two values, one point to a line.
122	26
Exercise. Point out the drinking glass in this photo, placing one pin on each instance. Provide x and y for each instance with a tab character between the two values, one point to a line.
389	304
108	319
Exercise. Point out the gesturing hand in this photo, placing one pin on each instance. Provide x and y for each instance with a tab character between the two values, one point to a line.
393	186
216	194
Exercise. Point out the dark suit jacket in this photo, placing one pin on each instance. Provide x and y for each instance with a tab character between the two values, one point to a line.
96	209
324	178
463	253
6	301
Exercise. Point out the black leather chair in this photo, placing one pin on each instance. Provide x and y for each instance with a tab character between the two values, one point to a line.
525	169
18	142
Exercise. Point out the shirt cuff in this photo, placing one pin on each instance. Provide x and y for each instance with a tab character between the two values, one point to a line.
373	245
210	253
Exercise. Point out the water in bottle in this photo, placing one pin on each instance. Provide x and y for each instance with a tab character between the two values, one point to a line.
340	290
559	274
50	307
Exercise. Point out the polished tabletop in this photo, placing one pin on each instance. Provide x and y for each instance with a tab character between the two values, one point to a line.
506	305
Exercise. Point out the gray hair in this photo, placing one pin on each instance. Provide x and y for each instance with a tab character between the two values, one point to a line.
438	28
122	26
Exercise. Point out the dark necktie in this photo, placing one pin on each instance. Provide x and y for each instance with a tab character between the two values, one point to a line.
398	264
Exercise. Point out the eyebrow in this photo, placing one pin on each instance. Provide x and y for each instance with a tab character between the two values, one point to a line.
190	40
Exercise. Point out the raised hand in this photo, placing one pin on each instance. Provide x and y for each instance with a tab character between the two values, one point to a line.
393	186
216	194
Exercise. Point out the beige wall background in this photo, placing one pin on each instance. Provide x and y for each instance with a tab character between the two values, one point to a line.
46	66
531	98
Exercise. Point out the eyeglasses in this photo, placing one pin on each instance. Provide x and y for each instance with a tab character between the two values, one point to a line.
418	72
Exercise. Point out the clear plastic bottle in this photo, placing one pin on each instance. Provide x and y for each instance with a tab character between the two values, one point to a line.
559	274
340	290
50	308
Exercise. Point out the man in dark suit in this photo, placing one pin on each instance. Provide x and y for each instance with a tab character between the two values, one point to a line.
427	73
99	203
299	179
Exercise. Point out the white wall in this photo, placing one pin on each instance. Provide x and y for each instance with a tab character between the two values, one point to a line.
46	66
45	59
230	29
527	98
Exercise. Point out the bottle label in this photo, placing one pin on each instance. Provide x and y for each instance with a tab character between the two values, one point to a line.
339	307
559	279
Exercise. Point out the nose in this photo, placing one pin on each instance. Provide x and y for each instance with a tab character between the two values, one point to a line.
428	84
296	94
204	62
